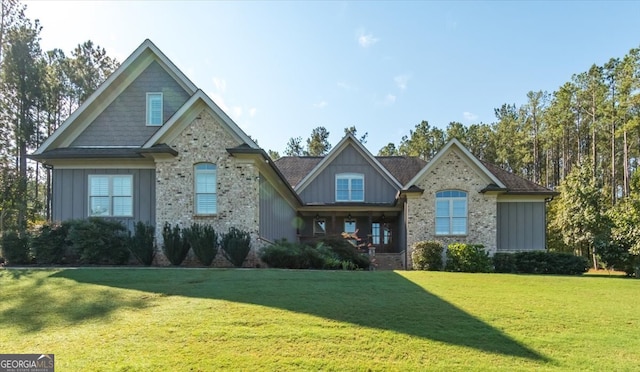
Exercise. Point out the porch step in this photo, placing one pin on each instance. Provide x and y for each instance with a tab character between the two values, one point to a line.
389	261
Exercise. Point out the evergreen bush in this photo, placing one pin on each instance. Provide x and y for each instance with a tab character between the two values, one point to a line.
204	242
427	255
504	263
15	248
471	258
236	245
287	255
176	245
49	243
99	241
540	262
342	250
142	243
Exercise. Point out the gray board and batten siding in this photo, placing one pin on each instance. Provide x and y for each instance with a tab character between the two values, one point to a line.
277	217
521	226
377	189
123	122
71	194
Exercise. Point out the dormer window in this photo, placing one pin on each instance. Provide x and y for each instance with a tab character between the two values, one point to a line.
349	187
154	108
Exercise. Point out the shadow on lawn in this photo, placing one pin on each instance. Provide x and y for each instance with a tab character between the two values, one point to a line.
381	300
40	304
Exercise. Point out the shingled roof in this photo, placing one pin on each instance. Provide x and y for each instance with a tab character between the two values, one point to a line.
295	168
516	184
404	168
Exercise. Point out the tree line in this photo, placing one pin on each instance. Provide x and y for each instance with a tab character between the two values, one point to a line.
38	91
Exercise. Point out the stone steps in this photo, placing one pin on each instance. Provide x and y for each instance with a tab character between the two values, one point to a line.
389	261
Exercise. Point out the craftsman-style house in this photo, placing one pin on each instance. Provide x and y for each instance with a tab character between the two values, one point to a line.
149	146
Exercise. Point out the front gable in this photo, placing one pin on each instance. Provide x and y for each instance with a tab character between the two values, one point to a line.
466	162
146	58
348	159
123	122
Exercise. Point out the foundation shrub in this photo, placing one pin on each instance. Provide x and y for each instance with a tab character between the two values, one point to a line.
470	258
236	245
427	255
142	243
176	245
204	242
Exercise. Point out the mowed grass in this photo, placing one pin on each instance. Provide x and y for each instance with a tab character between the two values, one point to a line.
103	319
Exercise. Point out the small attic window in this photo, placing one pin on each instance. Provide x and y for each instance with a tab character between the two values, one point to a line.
154	108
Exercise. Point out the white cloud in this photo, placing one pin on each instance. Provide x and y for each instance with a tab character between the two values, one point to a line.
217	98
469	116
221	84
401	81
389	99
321	104
235	111
366	40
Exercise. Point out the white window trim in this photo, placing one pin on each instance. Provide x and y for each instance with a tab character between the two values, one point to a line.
110	196
195	189
148	111
450	199
350	177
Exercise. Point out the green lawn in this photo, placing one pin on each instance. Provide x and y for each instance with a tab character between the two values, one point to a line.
206	319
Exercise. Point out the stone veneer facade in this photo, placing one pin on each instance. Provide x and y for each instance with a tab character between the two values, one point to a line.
205	141
451	172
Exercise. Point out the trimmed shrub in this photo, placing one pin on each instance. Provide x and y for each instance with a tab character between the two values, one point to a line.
236	245
287	255
342	250
427	255
49	244
470	258
504	263
142	244
99	241
204	242
176	245
15	248
540	262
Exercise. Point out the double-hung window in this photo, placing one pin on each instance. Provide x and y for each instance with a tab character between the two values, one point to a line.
451	212
154	108
111	195
206	200
349	187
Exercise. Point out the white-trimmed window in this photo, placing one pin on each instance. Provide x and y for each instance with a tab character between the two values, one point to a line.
111	195
319	226
154	108
451	212
349	187
380	233
205	185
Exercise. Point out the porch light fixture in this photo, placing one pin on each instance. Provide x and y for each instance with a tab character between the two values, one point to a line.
349	216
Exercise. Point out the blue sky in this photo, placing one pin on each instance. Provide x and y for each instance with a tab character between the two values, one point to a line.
280	69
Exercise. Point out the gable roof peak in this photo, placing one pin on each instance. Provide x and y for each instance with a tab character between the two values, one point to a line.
348	140
128	71
444	150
